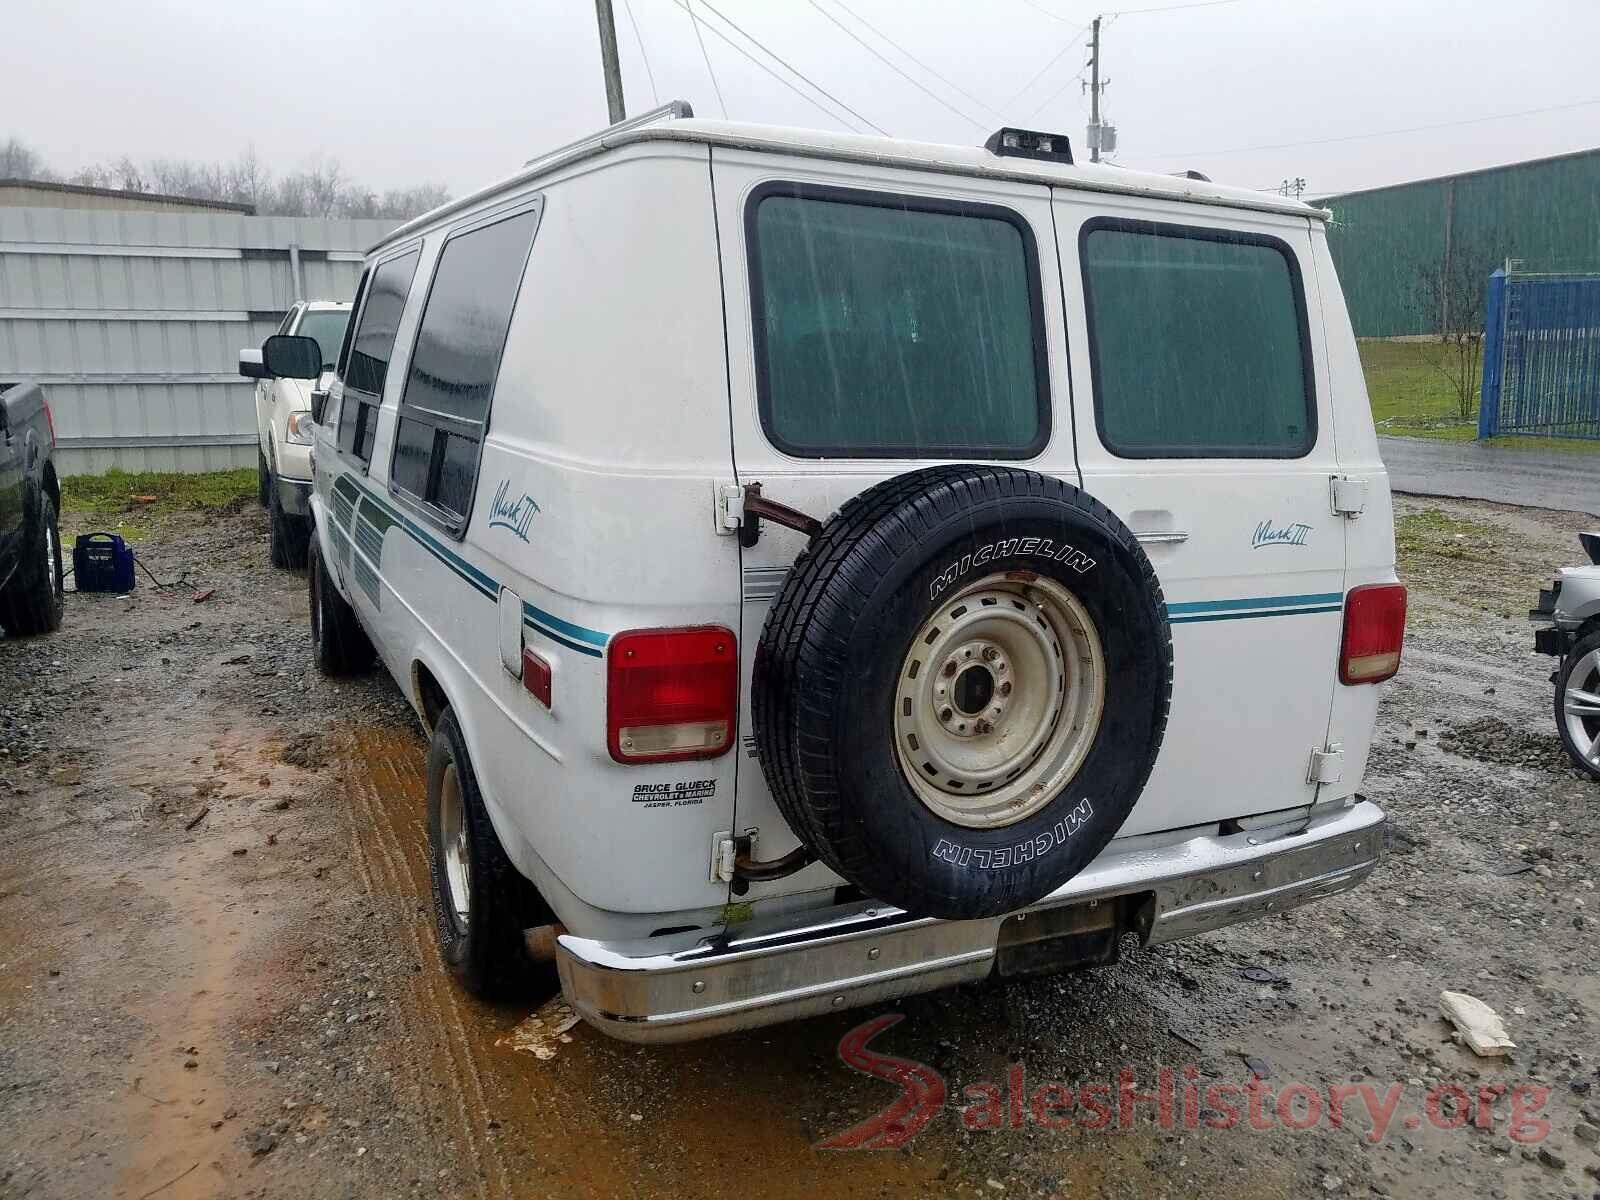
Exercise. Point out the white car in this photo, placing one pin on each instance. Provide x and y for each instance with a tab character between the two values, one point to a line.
832	567
283	427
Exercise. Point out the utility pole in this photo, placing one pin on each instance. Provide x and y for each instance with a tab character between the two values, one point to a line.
609	62
1094	93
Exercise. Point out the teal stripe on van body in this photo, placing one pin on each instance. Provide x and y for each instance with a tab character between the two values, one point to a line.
1198	606
555	628
1242	616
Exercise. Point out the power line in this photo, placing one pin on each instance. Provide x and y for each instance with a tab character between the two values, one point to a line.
627	7
1133	12
950	83
788	67
1039	8
1356	137
1078	37
710	70
914	82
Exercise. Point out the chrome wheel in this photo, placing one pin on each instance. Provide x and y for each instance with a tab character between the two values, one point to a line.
454	848
1580	704
999	700
52	563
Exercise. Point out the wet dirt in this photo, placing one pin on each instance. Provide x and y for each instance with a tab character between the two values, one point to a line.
284	946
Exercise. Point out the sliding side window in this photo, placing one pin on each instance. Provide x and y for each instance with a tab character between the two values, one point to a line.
370	348
444	410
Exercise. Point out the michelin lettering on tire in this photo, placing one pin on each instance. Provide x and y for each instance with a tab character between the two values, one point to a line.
1038	846
1043	547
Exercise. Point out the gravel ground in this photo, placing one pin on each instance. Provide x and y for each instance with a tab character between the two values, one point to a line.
217	975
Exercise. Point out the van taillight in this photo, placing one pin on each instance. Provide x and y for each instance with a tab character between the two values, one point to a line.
1374	629
671	693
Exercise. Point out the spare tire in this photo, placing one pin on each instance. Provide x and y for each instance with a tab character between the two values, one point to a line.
961	688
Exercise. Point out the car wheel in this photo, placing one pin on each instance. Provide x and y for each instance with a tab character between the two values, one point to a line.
1578	704
338	643
961	688
289	534
263	477
481	902
34	600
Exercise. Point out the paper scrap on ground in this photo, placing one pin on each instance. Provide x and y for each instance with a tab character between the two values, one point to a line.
543	1031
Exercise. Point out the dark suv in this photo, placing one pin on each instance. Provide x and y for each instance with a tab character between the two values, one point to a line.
30	497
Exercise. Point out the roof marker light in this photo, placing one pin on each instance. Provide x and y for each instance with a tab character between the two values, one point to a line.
1029	143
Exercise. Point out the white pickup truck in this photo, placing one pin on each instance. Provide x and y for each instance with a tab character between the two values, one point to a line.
283	427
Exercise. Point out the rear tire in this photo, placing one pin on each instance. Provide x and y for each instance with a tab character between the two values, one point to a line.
338	643
290	534
1578	705
32	603
481	902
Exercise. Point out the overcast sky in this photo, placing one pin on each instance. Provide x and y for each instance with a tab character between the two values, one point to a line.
401	92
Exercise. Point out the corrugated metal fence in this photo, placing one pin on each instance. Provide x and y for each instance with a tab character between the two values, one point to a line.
132	323
1541	356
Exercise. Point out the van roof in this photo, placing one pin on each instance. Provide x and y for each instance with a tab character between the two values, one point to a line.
976	161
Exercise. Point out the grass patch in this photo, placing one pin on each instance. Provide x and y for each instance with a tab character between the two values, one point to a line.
1434	533
1410	393
117	493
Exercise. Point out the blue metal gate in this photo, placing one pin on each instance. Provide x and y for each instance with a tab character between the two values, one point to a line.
1541	356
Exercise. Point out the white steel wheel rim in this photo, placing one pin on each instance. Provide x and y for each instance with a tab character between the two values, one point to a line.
998	700
1580	705
453	839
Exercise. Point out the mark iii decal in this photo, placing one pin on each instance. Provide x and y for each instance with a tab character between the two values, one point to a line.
515	515
1009	856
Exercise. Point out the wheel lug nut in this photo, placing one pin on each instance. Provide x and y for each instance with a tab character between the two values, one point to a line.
990	654
949	668
945	714
1005	688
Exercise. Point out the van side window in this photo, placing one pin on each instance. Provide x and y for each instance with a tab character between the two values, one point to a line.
1198	344
371	346
444	409
895	326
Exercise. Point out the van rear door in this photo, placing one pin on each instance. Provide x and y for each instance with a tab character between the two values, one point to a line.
879	321
1203	418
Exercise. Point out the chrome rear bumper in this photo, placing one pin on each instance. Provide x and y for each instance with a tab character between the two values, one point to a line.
682	986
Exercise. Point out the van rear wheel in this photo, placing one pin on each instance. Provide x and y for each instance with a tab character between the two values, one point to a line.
481	902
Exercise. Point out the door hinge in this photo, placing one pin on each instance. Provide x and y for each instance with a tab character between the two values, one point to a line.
1349	495
728	508
1327	765
725	850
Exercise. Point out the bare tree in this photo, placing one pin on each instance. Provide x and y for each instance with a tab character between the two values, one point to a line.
18	160
1452	292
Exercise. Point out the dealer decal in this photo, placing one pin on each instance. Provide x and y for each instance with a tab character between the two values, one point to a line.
1009	548
515	515
1268	534
1023	852
675	795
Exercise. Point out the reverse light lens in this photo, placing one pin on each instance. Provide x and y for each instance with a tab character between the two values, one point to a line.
298	428
671	693
1374	631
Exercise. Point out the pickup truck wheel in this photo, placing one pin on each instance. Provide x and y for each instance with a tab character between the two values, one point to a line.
961	688
1578	704
481	902
338	643
263	477
33	601
289	536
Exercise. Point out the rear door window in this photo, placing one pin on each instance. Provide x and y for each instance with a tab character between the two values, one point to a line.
895	326
370	348
444	410
1197	341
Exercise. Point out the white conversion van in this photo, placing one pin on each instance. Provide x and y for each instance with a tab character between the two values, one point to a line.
832	567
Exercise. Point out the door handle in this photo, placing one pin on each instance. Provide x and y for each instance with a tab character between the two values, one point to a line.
1163	537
